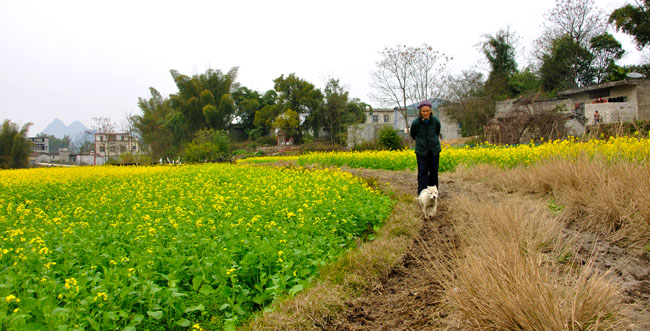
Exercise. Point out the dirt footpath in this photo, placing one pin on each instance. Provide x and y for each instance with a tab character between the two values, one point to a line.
409	298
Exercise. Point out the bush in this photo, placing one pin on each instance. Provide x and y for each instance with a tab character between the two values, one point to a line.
267	141
208	145
319	146
390	139
366	146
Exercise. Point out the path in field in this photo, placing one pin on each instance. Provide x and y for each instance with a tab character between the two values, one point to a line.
410	299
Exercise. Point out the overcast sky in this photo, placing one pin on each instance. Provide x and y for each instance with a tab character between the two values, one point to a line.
75	60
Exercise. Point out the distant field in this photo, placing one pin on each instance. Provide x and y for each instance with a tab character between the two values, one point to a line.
623	148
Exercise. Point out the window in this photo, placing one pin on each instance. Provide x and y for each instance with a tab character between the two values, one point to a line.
375	118
604	93
102	149
101	138
386	118
134	148
112	149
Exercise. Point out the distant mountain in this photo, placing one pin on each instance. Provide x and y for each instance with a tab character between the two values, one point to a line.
59	129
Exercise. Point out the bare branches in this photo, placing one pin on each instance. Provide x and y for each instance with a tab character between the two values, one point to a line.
408	74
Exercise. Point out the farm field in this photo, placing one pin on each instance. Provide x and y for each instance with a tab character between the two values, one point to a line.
206	246
169	247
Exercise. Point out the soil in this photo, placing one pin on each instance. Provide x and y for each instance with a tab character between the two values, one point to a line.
410	299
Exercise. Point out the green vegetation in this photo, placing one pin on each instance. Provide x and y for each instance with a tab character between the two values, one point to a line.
14	146
167	247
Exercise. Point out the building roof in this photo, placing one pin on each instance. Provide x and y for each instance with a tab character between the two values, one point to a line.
601	86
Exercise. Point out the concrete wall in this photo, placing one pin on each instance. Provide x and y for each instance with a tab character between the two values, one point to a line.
503	108
611	112
449	127
643	100
365	132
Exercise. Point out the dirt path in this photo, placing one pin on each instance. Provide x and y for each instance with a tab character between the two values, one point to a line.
410	299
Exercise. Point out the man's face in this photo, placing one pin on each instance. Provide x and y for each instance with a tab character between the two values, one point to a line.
426	112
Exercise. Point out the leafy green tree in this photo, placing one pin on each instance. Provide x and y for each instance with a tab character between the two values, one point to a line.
355	112
264	117
634	21
248	102
523	82
500	53
288	122
563	48
606	50
204	99
302	97
567	66
336	100
155	125
15	146
208	145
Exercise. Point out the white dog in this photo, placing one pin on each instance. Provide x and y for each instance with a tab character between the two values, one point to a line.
429	201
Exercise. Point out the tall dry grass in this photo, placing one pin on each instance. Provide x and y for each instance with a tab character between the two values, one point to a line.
511	271
611	199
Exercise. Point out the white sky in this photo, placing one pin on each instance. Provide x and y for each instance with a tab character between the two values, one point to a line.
75	60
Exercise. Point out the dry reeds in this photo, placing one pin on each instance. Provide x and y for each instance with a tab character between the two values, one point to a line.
610	199
508	273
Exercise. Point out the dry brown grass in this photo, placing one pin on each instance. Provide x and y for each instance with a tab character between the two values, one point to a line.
609	199
509	272
356	271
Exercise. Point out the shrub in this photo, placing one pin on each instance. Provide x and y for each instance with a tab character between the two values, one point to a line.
267	141
208	145
366	146
390	139
319	146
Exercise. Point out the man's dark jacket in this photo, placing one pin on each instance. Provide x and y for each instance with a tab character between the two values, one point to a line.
426	135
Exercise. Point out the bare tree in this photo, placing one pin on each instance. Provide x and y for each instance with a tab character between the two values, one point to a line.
428	66
580	19
407	74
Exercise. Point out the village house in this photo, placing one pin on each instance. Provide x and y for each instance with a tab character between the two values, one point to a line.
113	146
620	101
40	144
41	152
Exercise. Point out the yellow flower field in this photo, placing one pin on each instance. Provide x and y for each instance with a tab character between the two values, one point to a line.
168	247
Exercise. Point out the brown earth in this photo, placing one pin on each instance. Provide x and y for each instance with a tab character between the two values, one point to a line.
410	299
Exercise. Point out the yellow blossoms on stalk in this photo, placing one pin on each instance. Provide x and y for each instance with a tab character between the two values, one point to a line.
71	283
615	148
101	296
12	298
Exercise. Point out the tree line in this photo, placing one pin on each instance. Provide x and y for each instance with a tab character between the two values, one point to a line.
206	104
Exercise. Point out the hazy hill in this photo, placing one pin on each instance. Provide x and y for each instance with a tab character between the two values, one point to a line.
58	129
